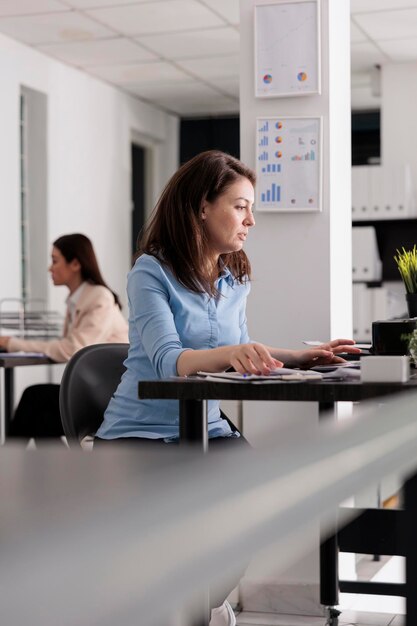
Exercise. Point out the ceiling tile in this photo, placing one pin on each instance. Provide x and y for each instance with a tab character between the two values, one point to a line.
157	17
229	86
359	6
94	4
30	7
138	73
356	35
364	56
229	9
195	43
52	28
99	52
212	67
164	89
400	50
185	98
389	24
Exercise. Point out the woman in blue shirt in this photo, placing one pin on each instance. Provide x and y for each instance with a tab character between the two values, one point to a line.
187	298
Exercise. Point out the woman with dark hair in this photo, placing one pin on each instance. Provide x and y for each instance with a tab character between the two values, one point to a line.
93	316
187	299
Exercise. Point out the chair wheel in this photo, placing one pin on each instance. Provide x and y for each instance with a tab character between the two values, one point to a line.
332	616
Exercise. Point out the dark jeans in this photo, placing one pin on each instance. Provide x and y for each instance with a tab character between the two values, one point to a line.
37	414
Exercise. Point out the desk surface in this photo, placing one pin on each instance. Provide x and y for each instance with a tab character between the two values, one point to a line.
8	362
313	391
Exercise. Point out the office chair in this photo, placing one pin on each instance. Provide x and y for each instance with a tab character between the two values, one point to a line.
89	381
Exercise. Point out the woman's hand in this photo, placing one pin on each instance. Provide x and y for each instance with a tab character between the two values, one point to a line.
326	353
253	358
4	342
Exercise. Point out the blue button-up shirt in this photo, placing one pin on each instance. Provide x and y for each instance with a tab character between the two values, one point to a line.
166	318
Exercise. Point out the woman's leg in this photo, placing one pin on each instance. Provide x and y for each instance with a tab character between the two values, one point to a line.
37	414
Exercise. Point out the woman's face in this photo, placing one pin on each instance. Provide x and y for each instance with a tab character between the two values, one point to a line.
62	271
227	220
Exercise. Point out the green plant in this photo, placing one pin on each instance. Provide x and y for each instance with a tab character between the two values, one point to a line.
407	266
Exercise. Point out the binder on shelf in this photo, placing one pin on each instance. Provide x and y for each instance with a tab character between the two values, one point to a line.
366	263
369	304
360	192
383	192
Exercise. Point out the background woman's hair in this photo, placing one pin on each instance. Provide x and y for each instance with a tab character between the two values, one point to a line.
79	247
175	234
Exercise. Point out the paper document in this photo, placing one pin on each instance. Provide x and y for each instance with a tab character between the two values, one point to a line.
281	373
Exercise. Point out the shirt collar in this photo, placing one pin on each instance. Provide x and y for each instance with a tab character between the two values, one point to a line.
73	298
226	274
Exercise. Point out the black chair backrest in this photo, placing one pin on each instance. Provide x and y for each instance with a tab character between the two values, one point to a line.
89	381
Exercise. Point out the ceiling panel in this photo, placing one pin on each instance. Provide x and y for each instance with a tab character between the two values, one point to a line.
356	34
157	17
364	56
99	52
400	50
165	89
212	67
185	97
138	73
195	43
94	4
52	28
389	24
30	7
229	9
229	86
380	5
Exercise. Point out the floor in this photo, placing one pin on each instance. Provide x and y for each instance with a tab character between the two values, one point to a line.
347	618
356	610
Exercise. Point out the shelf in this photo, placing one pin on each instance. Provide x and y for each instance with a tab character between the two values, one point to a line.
392	235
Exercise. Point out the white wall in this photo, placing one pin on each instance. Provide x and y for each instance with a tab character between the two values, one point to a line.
398	110
90	126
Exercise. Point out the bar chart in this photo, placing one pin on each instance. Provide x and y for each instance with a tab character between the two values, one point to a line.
273	194
288	164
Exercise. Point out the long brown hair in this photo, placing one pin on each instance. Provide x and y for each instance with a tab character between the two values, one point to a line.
79	247
175	234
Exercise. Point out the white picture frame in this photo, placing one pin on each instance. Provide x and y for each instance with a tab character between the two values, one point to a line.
289	164
287	48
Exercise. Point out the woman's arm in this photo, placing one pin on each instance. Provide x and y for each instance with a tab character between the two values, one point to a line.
256	358
247	358
92	327
326	353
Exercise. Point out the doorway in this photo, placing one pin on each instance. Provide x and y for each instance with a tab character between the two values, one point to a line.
138	157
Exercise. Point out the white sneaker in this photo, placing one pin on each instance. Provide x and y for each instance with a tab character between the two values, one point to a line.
223	615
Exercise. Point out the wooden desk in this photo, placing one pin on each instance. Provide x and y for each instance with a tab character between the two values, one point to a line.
192	394
8	363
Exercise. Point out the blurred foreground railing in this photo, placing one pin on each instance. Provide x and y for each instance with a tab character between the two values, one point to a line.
121	537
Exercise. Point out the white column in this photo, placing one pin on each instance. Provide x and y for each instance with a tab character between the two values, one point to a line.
301	266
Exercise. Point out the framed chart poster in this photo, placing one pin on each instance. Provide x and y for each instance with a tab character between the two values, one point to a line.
288	164
287	48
